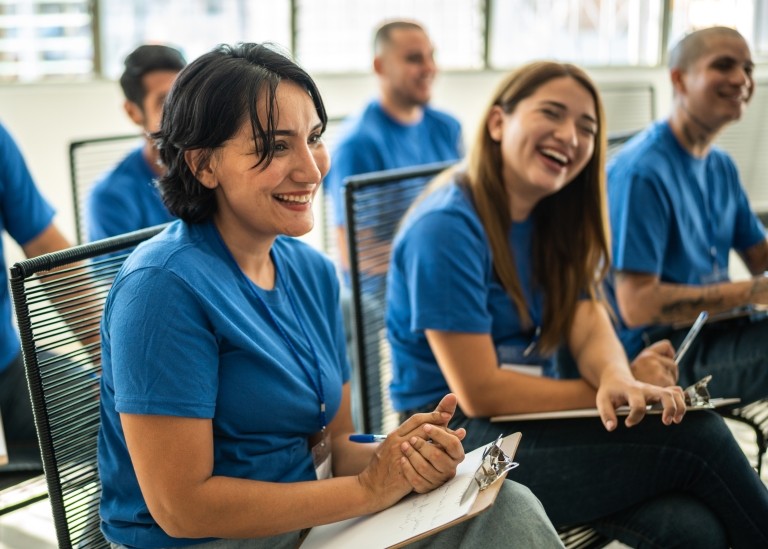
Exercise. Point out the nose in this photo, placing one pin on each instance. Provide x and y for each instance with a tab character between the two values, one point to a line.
311	164
567	132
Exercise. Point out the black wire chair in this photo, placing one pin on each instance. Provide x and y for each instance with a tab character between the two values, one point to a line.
89	159
59	298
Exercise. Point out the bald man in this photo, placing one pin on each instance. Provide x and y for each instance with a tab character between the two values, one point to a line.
678	208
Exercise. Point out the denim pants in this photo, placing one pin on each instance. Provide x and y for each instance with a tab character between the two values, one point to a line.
686	485
734	351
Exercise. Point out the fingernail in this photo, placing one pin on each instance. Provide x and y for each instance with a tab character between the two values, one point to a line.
428	427
413	440
446	415
609	425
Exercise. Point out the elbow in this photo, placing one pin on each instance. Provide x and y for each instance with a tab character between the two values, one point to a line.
475	404
632	311
177	521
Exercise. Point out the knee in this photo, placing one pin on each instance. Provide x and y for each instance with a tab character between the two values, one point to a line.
517	500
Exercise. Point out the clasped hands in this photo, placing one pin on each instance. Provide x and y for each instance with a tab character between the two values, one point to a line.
420	455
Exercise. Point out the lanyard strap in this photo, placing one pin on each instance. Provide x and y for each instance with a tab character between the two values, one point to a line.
317	385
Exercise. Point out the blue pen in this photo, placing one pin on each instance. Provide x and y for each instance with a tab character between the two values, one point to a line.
367	438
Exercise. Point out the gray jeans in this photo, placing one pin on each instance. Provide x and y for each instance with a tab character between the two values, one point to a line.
516	519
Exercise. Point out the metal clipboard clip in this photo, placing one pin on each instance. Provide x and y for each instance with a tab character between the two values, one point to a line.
494	464
697	395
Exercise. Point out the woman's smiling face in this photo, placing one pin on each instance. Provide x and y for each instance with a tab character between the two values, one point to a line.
265	202
546	141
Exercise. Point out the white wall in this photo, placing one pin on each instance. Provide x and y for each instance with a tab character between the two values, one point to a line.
45	117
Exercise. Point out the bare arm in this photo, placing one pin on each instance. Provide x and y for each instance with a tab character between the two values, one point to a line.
173	460
50	240
644	299
470	366
602	361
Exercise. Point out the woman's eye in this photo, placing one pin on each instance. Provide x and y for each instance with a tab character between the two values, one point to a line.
316	138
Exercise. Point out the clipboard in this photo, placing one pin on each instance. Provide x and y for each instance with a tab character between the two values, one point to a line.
3	446
620	411
416	516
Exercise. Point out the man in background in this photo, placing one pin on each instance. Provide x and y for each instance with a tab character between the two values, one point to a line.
398	129
28	219
677	208
126	198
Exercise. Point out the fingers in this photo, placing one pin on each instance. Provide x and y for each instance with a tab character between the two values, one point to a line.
674	406
606	411
441	415
429	465
663	347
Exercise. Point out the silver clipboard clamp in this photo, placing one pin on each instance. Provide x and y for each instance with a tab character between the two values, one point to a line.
495	463
697	395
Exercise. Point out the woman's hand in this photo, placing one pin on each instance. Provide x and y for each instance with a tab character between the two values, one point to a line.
432	450
420	455
656	364
617	390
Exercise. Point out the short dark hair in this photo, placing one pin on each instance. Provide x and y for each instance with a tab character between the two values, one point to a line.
209	101
383	36
143	60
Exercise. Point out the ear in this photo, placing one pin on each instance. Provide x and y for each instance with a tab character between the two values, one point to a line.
134	112
203	165
378	65
677	77
495	123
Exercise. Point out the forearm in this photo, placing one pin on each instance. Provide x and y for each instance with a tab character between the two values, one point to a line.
350	458
665	303
238	508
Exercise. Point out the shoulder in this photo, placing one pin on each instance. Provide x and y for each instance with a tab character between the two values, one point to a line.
130	171
648	153
441	118
447	210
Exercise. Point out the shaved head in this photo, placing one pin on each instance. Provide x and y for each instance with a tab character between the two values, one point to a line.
696	44
383	36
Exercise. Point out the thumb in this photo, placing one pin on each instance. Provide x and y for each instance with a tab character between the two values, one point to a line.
447	407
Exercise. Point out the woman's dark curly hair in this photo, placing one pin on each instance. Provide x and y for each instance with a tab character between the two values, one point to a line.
209	101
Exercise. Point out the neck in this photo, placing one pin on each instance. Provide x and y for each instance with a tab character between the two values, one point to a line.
152	157
251	254
405	114
691	132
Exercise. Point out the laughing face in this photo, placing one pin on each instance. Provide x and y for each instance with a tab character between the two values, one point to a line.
408	67
716	88
545	141
258	202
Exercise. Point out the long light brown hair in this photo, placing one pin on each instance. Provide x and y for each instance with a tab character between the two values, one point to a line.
571	242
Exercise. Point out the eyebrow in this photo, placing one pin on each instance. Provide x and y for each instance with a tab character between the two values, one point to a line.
291	133
563	107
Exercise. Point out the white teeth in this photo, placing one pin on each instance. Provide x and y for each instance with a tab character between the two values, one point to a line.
555	155
294	199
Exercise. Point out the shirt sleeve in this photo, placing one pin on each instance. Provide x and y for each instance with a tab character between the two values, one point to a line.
447	278
641	214
352	157
160	367
748	230
25	212
109	212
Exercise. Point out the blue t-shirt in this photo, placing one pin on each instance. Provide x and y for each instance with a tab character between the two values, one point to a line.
125	199
185	333
441	277
372	141
25	214
674	215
